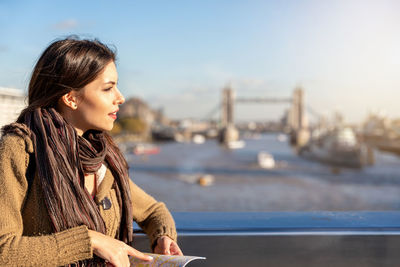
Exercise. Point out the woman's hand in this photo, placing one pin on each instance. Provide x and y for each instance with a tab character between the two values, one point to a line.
114	251
167	246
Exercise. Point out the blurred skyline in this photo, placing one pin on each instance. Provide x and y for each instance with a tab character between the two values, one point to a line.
180	54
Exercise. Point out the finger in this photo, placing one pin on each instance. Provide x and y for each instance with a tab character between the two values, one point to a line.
166	244
126	261
137	254
162	246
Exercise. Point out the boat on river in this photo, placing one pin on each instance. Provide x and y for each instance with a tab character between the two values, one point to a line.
265	160
198	139
163	133
145	149
338	147
235	144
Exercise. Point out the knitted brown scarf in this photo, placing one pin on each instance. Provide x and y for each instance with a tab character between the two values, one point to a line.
62	159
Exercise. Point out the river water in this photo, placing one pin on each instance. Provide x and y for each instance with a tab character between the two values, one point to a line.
295	184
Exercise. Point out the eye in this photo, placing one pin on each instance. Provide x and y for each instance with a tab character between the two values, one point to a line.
107	89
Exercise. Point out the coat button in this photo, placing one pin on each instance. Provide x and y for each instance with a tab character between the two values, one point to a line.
106	203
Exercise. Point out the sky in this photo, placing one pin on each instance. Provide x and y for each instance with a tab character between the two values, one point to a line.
179	55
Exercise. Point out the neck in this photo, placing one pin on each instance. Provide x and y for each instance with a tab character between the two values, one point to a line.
68	116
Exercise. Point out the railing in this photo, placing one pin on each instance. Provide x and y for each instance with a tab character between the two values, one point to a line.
288	238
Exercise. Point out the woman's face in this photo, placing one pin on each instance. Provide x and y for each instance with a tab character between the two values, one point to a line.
98	102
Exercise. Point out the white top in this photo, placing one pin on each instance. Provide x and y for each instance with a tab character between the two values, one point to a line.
100	174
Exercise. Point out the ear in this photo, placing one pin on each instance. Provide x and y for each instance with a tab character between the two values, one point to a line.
70	100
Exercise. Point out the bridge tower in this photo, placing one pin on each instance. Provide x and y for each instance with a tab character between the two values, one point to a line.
300	133
228	132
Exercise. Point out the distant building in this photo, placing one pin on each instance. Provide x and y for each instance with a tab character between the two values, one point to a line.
137	108
12	101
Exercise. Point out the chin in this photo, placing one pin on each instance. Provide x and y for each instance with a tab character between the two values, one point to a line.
108	128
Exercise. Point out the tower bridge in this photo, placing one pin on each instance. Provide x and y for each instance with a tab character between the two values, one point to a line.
296	118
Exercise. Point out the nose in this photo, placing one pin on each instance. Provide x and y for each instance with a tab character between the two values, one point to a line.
119	99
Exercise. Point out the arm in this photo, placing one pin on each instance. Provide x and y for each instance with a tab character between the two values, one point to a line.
152	216
15	249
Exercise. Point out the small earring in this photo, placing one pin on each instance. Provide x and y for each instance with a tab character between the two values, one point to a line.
74	106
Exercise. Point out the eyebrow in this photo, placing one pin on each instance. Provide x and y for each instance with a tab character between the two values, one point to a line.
112	82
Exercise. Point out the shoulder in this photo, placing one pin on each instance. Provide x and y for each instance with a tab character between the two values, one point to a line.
15	151
16	138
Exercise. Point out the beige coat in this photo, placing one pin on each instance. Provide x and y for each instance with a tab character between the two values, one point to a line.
26	238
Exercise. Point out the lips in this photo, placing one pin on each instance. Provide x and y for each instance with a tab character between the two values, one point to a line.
113	114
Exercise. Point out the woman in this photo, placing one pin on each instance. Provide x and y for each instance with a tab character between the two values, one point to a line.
65	190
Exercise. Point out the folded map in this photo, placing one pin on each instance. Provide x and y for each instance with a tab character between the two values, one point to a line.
164	261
